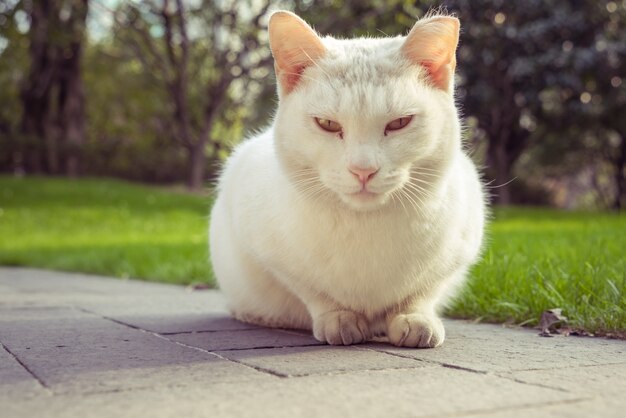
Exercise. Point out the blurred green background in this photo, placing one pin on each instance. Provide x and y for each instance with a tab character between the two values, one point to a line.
98	96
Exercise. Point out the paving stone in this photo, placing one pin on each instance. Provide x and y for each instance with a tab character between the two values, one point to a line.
604	407
244	339
492	348
302	361
183	323
425	392
592	380
15	380
65	328
107	296
75	352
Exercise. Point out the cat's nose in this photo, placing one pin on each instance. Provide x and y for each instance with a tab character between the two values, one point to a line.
364	174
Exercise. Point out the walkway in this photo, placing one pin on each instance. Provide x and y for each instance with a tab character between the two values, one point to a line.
84	346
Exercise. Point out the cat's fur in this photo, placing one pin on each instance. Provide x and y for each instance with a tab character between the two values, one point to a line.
303	235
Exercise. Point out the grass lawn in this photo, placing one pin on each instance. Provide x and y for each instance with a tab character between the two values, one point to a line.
538	259
535	259
105	227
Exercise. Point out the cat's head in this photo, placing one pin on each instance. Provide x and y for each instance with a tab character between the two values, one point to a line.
365	120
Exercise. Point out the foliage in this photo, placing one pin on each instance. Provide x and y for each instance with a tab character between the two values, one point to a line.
126	134
13	59
204	58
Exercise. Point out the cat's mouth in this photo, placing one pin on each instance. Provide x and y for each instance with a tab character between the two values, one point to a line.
365	194
364	199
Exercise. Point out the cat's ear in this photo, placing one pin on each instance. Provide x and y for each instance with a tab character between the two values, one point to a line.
432	43
294	46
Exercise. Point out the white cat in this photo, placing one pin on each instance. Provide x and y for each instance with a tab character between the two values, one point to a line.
357	213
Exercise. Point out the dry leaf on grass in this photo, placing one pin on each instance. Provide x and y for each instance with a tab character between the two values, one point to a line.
551	322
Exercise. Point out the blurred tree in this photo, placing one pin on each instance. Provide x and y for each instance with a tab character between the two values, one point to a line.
52	93
576	125
127	118
541	84
198	54
525	66
13	59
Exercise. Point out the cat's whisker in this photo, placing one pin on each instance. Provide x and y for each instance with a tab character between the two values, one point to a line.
421	167
426	173
305	188
328	77
412	201
420	180
419	183
426	169
312	190
419	193
304	180
416	207
396	198
417	196
489	185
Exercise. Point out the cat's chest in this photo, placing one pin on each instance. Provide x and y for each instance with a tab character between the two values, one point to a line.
354	259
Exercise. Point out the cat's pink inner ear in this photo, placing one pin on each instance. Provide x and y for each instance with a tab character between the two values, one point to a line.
294	45
432	43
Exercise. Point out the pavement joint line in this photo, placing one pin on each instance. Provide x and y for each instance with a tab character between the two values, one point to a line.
483	372
521	407
347	372
155	334
207	331
30	372
108	318
287	331
256	368
271	346
456	367
582	366
524	382
446	365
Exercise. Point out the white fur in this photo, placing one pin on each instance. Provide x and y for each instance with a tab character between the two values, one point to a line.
292	245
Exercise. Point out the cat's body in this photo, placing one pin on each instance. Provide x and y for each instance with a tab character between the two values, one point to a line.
359	227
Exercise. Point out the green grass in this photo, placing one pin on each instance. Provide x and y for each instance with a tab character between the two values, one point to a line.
538	259
535	259
105	227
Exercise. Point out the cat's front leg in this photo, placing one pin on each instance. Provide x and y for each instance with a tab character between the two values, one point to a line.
334	324
341	327
420	329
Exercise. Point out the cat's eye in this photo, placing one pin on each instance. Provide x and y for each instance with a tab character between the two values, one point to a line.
328	125
399	123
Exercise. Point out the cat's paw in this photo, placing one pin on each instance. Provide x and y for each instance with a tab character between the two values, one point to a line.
341	328
416	330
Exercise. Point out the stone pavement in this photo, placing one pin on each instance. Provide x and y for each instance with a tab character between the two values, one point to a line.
85	346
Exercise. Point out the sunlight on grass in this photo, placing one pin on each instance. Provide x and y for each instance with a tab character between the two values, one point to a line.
537	259
104	227
534	259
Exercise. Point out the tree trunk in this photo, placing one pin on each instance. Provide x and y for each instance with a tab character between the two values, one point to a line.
71	96
71	108
39	149
53	119
197	160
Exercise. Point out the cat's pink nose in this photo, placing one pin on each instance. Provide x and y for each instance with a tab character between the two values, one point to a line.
363	174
